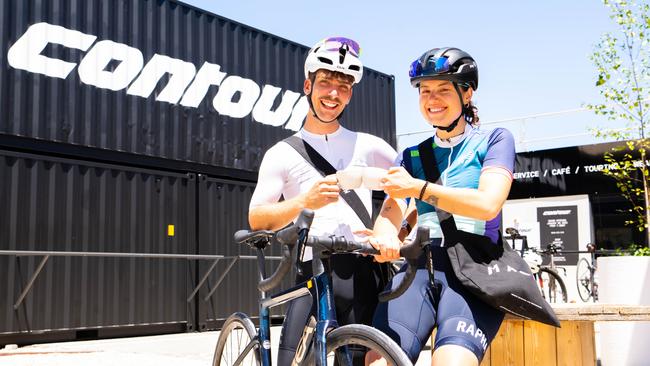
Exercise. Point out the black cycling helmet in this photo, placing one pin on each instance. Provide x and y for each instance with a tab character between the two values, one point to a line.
446	63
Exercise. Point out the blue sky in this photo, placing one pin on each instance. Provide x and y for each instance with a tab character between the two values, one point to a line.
533	56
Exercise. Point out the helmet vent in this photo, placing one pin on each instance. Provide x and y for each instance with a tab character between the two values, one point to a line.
354	67
325	60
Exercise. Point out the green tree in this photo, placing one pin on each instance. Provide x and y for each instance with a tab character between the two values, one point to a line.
622	61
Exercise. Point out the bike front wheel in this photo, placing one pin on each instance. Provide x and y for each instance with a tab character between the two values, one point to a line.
552	286
583	279
345	341
237	344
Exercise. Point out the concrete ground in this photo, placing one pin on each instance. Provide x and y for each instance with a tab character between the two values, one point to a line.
186	349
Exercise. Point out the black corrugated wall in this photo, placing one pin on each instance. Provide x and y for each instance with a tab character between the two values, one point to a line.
53	204
91	161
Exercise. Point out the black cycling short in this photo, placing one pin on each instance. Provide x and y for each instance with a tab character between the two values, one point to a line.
356	282
461	318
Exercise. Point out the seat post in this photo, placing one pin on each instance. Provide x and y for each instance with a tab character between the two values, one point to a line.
260	264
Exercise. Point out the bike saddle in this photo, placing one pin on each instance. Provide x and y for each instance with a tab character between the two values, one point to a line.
512	231
253	238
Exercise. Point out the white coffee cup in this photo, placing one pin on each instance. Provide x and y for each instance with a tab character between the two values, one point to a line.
350	178
372	178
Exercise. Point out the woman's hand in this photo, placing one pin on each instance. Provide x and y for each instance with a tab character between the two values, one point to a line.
398	183
388	247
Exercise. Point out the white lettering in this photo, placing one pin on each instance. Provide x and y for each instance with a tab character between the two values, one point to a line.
556	212
182	74
510	269
262	112
460	327
494	268
92	67
300	110
470	329
25	54
561	171
248	90
209	74
526	175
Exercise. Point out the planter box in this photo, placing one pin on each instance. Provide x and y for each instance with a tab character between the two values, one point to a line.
624	280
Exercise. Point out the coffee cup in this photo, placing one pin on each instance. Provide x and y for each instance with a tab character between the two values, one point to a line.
350	178
372	178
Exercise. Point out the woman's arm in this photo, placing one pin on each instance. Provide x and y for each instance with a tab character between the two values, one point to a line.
483	203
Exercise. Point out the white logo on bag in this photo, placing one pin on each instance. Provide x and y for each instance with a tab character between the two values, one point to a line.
186	86
495	269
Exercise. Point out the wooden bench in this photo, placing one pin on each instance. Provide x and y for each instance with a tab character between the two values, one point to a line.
528	343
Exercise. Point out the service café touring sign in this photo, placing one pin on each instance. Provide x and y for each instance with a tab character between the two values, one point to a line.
565	171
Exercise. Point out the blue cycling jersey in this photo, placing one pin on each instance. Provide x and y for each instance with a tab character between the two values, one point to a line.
461	161
462	319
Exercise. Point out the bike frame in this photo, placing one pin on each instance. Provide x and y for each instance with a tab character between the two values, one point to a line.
320	289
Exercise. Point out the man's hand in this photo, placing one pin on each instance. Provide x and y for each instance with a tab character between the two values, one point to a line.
322	193
388	247
398	183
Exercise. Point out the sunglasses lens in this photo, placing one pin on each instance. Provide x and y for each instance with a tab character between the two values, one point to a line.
440	64
337	42
415	69
433	66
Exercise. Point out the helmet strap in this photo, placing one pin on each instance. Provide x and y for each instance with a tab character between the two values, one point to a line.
462	112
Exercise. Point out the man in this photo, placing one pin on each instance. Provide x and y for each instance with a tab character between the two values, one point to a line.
332	68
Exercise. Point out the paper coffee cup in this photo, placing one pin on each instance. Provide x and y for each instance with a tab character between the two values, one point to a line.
350	178
372	178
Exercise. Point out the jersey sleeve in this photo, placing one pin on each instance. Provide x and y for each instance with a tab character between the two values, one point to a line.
500	151
271	179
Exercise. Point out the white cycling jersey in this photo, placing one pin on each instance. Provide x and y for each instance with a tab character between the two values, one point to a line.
284	172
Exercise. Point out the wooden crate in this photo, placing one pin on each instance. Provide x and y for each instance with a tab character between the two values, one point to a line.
528	343
522	342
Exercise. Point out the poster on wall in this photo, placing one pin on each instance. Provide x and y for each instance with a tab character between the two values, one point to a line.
559	226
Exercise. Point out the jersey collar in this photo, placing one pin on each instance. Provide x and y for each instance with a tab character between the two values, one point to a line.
316	136
453	141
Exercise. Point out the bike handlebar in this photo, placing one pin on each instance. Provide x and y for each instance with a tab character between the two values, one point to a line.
410	251
296	232
288	238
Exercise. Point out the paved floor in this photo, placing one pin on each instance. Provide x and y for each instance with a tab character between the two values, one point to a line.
186	349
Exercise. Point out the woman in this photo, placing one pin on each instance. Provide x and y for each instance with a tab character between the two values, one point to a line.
475	174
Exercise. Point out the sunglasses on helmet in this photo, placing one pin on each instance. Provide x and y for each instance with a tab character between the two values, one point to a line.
336	43
433	65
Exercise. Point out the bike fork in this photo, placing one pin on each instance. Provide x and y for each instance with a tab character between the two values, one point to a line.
320	343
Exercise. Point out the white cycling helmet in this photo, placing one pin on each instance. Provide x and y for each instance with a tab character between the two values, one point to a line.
335	54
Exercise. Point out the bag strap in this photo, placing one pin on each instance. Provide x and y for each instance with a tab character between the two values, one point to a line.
325	168
432	174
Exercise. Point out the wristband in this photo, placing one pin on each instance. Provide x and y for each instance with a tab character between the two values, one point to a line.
424	188
407	226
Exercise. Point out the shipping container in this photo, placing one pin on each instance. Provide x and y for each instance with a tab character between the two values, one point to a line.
55	204
137	127
158	79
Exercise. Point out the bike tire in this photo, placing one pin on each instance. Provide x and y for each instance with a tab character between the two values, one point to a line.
583	279
237	332
368	337
554	285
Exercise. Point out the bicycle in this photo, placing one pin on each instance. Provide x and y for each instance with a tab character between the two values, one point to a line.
548	279
241	344
585	276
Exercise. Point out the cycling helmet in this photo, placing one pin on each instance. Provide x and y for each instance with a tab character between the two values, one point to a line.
450	64
446	63
335	54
